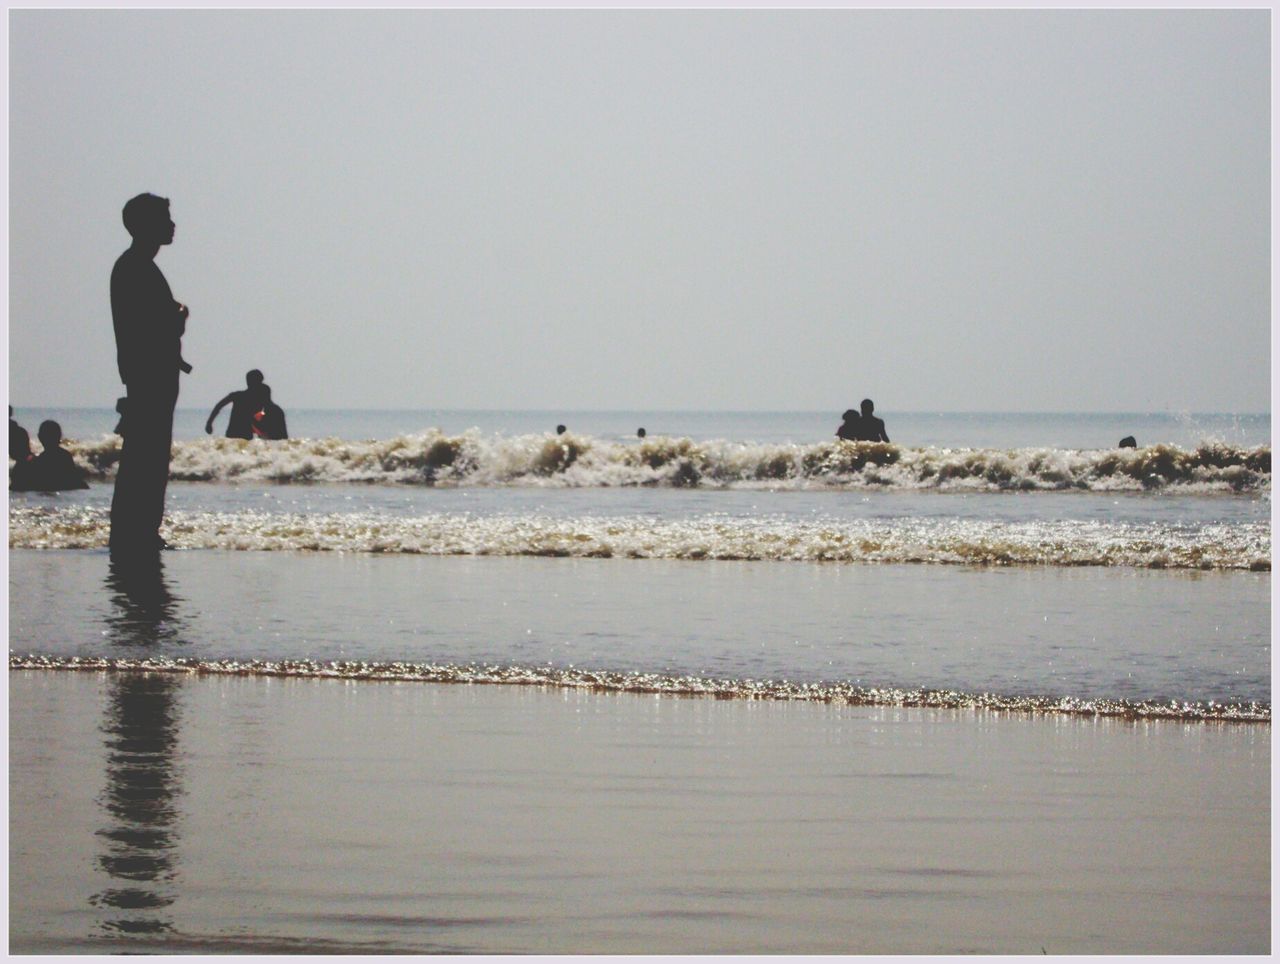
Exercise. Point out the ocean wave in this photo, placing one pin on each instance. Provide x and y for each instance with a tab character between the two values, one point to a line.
652	683
433	458
1240	546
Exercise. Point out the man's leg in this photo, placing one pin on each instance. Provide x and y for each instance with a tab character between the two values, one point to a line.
137	505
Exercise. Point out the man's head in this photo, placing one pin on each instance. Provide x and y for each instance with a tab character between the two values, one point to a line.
50	434
253	378
868	406
849	414
146	218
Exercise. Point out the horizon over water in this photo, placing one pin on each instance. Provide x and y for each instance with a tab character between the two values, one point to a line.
975	429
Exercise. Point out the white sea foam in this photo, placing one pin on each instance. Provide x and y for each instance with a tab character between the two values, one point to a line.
658	684
902	540
432	458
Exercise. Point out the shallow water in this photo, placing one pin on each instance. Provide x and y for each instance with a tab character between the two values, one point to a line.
1078	633
180	814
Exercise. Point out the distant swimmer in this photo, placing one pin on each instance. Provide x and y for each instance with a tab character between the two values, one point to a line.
1128	442
560	430
244	405
53	469
20	452
268	422
640	432
850	429
872	428
19	441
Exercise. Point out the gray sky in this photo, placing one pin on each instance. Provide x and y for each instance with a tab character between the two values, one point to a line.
944	210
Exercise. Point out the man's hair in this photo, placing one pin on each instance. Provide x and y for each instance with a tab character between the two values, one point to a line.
142	211
49	433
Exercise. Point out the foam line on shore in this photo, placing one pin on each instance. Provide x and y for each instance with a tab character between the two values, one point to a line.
657	684
944	541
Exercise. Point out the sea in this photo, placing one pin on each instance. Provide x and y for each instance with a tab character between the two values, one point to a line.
1014	569
855	564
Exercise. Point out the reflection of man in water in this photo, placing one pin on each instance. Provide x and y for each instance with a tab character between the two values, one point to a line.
141	732
149	325
244	405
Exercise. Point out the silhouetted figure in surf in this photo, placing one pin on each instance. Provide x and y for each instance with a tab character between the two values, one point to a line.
245	404
1128	442
640	433
268	421
560	429
19	441
871	429
20	452
851	428
149	325
53	470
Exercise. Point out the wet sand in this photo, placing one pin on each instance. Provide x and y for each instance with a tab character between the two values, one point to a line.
195	814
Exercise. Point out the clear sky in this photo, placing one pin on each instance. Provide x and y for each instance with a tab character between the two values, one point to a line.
943	210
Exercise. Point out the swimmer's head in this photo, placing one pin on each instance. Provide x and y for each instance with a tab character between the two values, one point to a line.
849	414
868	406
253	378
50	434
559	429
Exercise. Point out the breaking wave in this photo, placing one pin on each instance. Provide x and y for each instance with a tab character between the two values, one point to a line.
899	540
432	458
651	683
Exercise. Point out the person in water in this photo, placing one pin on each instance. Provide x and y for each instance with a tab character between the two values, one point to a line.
19	441
149	324
53	469
871	428
244	404
850	429
20	452
268	422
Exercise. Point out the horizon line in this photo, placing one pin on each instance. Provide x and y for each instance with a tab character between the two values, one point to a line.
698	411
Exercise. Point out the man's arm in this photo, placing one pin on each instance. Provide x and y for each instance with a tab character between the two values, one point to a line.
208	425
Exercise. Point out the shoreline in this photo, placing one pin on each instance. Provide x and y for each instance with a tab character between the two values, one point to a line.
646	684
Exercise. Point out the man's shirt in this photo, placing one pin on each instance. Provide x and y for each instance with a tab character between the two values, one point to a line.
147	320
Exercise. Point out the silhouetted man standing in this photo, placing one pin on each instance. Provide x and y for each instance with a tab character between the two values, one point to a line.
149	325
